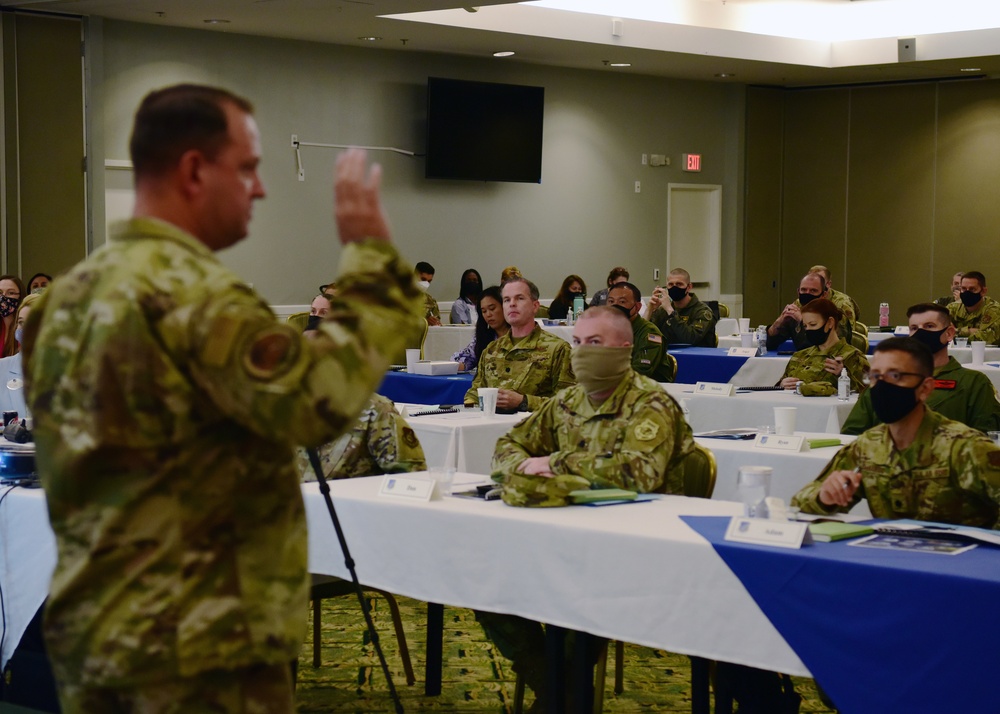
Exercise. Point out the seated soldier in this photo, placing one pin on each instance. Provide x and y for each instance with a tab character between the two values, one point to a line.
916	464
818	367
788	325
649	354
615	428
844	302
527	364
961	394
683	318
975	315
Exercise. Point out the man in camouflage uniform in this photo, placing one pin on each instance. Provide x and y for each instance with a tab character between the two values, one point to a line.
380	442
167	403
956	291
917	464
788	325
843	301
960	394
680	315
425	273
649	354
975	315
615	429
527	364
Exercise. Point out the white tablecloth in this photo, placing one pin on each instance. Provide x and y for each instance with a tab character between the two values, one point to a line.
760	372
964	354
464	441
633	572
752	409
27	558
792	470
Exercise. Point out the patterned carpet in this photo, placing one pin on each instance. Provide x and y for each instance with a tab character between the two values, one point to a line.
476	678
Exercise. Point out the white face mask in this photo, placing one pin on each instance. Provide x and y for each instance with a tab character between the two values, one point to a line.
424	284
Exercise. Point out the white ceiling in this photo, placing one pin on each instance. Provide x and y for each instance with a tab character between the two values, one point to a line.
775	42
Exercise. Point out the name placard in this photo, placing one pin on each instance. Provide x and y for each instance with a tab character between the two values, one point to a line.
902	331
742	352
715	389
411	487
759	531
779	443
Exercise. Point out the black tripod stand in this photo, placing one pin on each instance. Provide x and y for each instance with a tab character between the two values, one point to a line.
324	488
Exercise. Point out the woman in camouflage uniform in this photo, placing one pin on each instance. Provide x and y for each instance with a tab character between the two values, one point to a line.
818	367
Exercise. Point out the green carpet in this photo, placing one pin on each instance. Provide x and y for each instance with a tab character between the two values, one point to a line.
475	678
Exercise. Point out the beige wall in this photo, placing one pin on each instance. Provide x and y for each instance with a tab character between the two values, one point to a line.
583	218
892	187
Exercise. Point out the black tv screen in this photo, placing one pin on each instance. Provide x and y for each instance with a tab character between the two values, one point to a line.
481	131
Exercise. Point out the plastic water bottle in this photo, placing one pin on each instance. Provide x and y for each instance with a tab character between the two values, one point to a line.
843	386
883	314
752	486
761	340
577	307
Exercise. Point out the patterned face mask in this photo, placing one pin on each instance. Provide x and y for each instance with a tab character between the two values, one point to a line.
8	305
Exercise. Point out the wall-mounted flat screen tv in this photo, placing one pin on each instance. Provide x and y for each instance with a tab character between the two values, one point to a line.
482	131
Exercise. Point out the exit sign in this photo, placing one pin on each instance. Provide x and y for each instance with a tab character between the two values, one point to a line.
692	162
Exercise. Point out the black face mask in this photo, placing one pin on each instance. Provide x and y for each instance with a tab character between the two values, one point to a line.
816	337
931	339
892	402
676	293
806	298
969	299
313	322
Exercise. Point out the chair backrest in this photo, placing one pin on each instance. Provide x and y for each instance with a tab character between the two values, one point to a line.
700	471
860	341
857	310
298	320
667	357
543	311
860	327
723	310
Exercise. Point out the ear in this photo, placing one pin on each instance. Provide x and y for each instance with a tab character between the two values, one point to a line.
189	173
949	333
925	389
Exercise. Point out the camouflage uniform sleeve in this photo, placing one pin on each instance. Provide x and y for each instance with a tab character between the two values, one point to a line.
975	464
808	497
431	307
392	443
534	436
857	369
273	381
696	327
642	460
862	416
561	373
961	325
472	396
989	326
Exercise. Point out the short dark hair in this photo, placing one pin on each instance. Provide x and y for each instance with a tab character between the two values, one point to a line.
636	294
177	119
916	349
921	307
977	276
822	280
618	272
532	288
424	267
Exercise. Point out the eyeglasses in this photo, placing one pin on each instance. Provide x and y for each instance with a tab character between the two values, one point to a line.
892	376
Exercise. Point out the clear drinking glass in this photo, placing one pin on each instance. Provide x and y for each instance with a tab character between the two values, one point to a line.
753	483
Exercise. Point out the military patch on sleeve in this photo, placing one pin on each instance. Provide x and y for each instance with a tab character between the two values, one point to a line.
220	340
270	353
410	438
646	430
655	339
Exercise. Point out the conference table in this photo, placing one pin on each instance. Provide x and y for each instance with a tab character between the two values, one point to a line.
753	409
714	364
464	440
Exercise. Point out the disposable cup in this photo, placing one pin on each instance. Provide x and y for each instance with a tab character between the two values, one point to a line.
412	357
488	397
978	351
784	420
746	339
744	324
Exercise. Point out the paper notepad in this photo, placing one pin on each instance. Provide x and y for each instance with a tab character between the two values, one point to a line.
827	531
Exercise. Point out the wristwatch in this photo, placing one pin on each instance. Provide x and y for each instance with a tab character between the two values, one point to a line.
523	406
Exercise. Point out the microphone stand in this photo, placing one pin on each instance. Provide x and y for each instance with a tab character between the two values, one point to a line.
324	488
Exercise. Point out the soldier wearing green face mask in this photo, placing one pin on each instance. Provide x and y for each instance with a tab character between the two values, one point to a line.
916	464
614	428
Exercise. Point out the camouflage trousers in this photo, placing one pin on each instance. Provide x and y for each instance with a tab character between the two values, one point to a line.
263	689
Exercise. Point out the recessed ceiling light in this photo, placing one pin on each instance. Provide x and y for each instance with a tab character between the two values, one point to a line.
370	39
725	75
504	53
970	69
216	21
619	64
